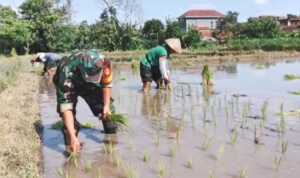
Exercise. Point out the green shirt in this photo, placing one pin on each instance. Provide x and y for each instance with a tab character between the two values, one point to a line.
152	57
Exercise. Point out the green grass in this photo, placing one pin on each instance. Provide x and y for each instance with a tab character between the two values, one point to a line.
122	78
9	71
58	125
87	126
259	67
291	77
295	93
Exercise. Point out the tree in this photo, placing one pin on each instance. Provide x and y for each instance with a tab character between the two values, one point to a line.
173	30
260	28
83	38
153	31
46	17
14	32
64	40
229	25
130	38
191	38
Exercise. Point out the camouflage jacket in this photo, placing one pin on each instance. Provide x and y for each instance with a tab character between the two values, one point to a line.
80	70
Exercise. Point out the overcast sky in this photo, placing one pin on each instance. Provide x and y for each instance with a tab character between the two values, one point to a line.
90	9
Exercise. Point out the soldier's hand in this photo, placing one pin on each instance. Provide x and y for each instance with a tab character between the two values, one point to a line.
75	145
106	112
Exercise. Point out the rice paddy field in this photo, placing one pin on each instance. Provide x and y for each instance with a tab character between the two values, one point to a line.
247	124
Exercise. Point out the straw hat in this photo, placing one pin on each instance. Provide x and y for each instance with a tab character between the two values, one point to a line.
174	44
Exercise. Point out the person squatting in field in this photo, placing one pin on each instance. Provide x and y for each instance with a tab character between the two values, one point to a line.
88	75
154	65
50	61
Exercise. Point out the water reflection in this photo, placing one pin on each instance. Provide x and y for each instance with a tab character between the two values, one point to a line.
229	69
156	105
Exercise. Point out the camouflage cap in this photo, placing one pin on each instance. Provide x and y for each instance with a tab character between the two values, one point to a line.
91	68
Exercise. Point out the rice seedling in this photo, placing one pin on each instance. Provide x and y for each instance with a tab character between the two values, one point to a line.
117	161
221	151
178	130
87	126
244	116
259	67
60	172
189	163
135	65
295	93
213	115
146	157
207	76
59	125
226	113
157	140
211	174
206	143
161	169
291	77
99	173
277	162
232	107
108	148
282	123
243	173
122	78
204	114
88	167
264	111
119	119
237	103
130	172
234	136
172	152
284	147
73	159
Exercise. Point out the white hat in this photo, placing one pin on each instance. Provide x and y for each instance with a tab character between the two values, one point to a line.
42	56
174	44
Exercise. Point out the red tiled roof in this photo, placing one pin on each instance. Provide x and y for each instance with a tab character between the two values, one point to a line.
202	13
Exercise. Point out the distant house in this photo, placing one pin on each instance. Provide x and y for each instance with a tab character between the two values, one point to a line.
290	24
205	21
287	24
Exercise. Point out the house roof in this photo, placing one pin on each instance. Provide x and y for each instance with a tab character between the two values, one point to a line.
198	13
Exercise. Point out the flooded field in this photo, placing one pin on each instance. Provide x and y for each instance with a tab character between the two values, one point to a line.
240	127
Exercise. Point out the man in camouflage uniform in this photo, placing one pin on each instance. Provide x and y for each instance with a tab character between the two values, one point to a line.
85	74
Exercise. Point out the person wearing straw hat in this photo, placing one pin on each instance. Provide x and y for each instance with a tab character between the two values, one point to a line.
88	75
154	66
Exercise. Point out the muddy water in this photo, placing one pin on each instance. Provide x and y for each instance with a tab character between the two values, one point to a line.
189	131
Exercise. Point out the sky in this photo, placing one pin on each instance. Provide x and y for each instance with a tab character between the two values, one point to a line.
90	10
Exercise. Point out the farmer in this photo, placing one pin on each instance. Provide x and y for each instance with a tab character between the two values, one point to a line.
86	74
50	61
154	65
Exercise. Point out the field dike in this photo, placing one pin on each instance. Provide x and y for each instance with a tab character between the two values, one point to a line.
19	114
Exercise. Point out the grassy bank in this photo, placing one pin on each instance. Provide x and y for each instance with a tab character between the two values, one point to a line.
19	114
208	56
9	70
